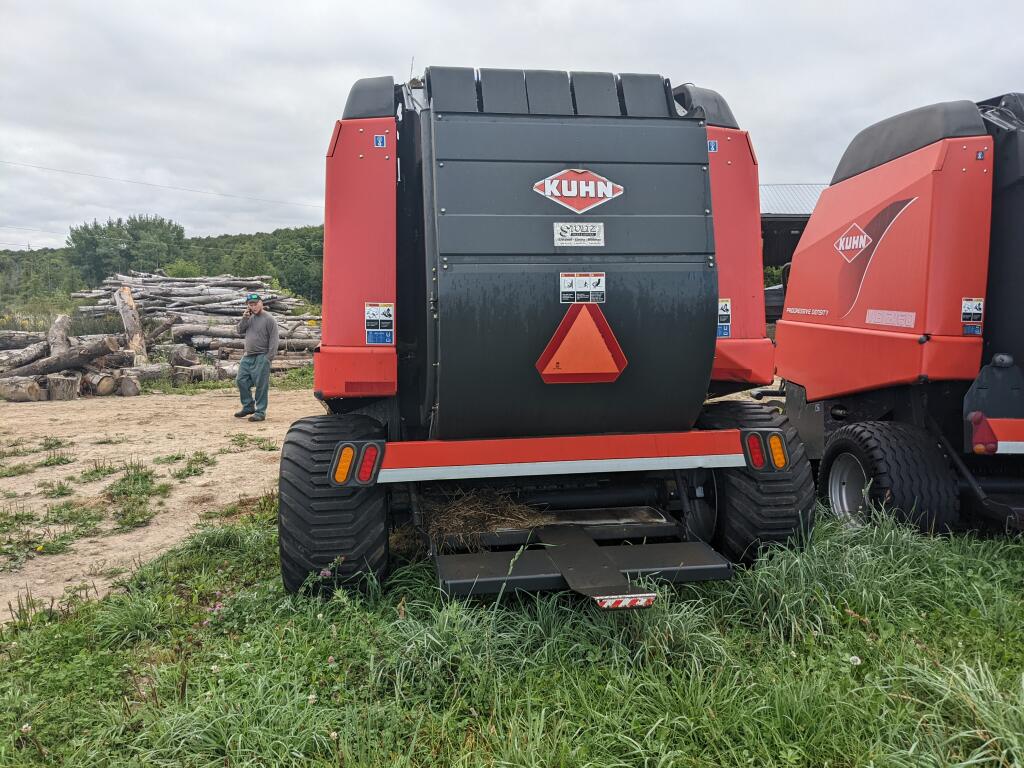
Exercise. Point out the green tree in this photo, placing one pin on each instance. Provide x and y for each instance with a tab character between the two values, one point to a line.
139	242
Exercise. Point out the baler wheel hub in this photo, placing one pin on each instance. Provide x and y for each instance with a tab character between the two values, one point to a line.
846	490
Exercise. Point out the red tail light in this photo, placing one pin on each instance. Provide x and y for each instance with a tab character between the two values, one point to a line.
983	439
365	473
755	449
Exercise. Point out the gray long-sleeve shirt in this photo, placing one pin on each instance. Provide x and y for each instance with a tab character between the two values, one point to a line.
260	333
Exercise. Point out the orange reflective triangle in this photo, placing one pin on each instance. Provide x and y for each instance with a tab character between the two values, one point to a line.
582	350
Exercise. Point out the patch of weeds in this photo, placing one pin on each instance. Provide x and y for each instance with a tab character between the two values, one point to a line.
165	386
82	518
8	495
170	458
13	470
52	443
56	490
25	535
133	514
242	442
295	378
14	517
195	465
57	459
107	440
16	448
132	494
99	470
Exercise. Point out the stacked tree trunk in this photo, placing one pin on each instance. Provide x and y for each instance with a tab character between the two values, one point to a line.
200	315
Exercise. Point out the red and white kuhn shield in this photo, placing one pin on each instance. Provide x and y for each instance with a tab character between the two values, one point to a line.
577	189
852	242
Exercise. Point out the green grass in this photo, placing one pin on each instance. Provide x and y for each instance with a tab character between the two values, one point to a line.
166	386
52	490
243	442
13	470
57	459
871	647
99	470
131	495
170	458
51	443
294	378
194	466
24	534
108	440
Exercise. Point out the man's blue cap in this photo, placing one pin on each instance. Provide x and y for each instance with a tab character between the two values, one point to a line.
253	297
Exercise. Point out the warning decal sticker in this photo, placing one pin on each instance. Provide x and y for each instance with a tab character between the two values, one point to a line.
971	310
724	318
581	287
380	323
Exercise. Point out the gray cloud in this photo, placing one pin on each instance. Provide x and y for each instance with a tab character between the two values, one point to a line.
240	97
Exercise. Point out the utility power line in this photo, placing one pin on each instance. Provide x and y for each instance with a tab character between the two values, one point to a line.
158	186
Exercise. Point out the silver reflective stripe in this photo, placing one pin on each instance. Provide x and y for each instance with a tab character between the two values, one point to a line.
528	469
1010	447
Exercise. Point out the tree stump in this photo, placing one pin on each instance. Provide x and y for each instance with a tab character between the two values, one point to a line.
99	383
63	386
21	389
183	354
128	386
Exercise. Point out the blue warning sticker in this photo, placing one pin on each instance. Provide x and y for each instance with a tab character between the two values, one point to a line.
724	330
380	141
712	145
972	330
380	337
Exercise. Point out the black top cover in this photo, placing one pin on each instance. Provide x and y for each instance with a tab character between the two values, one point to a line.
902	134
371	97
715	108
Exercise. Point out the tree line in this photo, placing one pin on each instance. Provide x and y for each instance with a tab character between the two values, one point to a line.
93	251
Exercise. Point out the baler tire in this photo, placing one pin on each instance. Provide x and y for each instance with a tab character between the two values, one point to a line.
322	526
907	470
759	509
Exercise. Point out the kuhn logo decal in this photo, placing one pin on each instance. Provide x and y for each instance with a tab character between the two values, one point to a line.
859	247
577	189
853	242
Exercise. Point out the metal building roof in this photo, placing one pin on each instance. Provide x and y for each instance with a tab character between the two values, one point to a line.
789	199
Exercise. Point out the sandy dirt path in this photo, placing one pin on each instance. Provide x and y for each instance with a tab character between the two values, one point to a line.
117	430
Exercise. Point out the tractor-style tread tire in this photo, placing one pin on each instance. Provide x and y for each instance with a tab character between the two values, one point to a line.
907	468
323	526
757	509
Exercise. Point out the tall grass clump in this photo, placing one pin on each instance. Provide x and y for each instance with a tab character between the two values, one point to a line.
871	646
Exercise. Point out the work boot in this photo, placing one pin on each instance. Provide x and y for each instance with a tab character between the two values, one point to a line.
243	413
257	417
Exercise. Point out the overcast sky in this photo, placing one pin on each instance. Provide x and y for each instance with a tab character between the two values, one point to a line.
240	97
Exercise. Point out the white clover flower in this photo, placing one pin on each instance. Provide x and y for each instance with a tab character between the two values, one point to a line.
855	661
26	728
311	698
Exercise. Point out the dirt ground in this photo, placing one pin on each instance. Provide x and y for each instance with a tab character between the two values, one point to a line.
117	430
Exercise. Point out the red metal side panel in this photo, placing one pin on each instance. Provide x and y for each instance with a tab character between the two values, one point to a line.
359	260
886	259
745	354
433	453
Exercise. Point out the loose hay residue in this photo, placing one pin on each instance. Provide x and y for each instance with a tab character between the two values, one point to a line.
463	517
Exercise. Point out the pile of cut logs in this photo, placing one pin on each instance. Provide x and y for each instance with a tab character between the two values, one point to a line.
201	315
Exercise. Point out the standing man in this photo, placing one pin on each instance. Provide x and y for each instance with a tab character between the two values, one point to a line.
260	331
